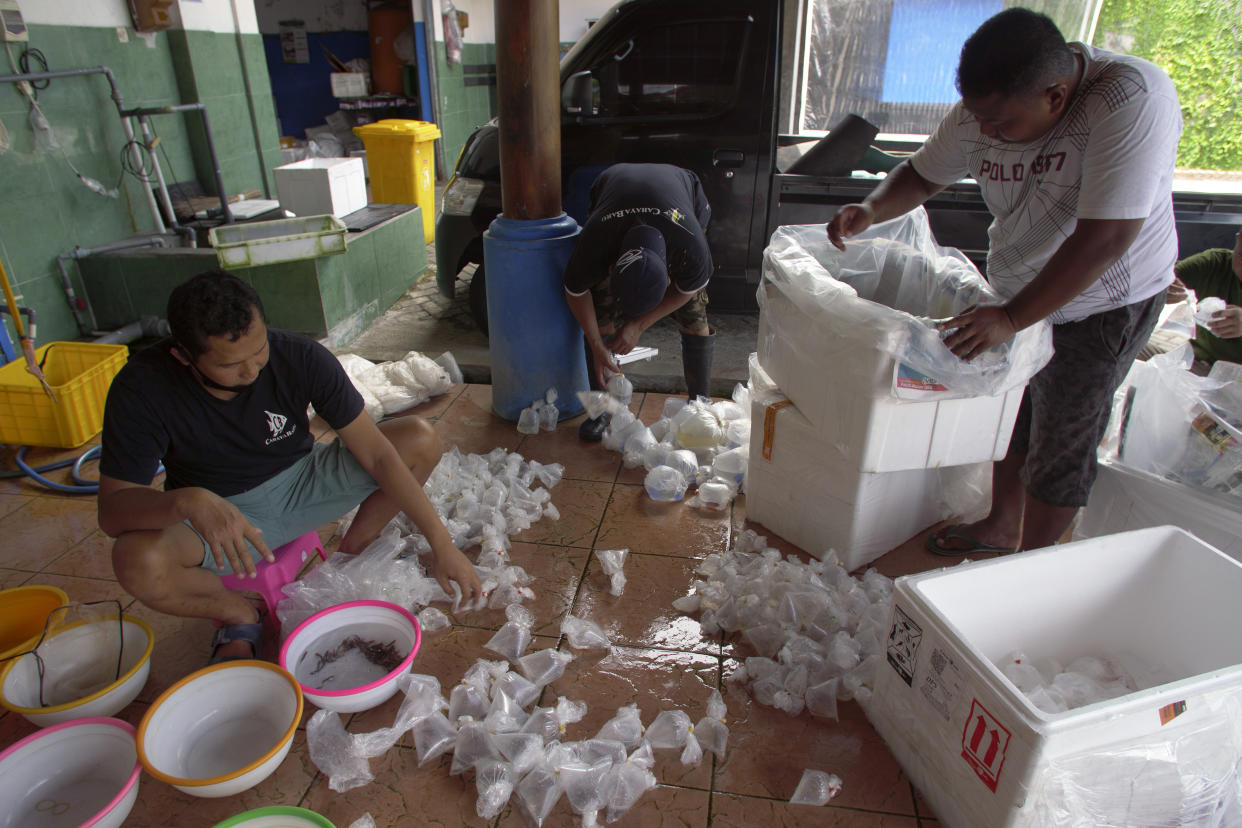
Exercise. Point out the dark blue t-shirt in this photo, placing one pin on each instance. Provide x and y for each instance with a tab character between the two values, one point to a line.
157	411
665	197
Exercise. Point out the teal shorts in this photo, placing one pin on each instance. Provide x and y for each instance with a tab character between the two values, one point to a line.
319	488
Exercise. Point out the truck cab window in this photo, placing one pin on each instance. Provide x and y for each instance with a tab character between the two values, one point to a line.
677	70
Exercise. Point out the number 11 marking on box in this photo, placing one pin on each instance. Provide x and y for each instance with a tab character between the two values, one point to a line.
984	741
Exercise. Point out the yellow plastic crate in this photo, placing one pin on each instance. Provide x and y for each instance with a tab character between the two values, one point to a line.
402	165
79	373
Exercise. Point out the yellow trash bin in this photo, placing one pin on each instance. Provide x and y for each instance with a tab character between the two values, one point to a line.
402	165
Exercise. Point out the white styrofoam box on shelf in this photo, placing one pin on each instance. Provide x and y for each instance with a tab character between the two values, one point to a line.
1124	498
1159	601
801	489
246	244
842	384
322	186
350	84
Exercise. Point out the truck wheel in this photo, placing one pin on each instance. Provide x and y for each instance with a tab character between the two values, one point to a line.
478	298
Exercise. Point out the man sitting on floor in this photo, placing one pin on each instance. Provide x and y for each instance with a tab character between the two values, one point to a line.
1216	272
223	404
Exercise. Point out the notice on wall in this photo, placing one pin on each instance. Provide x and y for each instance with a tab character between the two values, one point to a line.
293	46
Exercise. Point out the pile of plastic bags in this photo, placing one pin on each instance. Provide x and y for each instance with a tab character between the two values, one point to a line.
487	729
482	499
1054	688
700	443
819	632
1176	424
391	387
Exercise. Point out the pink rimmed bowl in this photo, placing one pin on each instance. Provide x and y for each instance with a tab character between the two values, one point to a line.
79	774
346	684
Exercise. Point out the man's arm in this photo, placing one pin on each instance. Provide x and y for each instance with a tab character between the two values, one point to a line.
901	191
131	507
627	337
583	309
379	457
1084	256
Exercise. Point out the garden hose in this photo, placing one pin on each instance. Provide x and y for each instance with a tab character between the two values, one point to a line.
81	484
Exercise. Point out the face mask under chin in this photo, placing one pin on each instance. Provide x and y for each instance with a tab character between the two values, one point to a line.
233	389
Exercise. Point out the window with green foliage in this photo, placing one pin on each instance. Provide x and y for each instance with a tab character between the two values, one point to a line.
893	62
1199	43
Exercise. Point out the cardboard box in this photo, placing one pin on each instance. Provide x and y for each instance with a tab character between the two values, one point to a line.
842	384
1124	498
813	495
322	186
1160	601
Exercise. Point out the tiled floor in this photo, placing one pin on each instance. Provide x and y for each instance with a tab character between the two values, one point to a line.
659	659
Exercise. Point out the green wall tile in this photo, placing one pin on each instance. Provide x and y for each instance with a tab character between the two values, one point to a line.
55	319
33	233
290	292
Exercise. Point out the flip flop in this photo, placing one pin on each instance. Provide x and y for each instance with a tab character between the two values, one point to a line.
250	633
974	545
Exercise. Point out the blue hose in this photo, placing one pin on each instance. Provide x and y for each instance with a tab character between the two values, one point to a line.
83	486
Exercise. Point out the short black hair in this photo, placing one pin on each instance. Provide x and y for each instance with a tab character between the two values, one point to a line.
1014	53
215	303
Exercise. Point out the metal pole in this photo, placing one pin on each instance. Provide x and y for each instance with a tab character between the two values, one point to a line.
430	13
201	109
148	138
528	88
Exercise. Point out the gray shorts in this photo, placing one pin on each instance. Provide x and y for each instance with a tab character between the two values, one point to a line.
1065	409
319	488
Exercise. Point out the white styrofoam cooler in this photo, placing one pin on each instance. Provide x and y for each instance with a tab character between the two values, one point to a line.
804	491
1125	498
843	385
1159	600
322	186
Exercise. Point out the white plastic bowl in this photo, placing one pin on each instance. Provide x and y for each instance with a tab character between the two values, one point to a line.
72	775
221	730
374	620
80	657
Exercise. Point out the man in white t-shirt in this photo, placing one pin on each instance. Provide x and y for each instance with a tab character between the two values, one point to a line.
1073	148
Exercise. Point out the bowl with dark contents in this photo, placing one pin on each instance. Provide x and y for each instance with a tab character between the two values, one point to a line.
350	657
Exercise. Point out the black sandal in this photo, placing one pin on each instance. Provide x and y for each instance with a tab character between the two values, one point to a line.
252	634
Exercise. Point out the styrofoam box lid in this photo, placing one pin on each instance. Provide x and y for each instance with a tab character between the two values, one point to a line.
332	165
1160	600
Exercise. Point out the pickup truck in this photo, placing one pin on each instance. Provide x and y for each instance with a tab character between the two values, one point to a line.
697	83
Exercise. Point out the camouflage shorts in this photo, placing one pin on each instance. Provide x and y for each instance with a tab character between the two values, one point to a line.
608	312
1065	408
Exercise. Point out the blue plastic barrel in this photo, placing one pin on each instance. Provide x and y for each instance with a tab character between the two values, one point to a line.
536	343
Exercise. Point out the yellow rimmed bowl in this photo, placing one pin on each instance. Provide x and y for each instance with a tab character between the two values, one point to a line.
23	612
85	673
221	730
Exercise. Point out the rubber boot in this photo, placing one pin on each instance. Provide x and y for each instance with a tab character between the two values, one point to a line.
593	428
696	363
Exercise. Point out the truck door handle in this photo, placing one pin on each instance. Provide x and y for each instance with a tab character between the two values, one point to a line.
728	158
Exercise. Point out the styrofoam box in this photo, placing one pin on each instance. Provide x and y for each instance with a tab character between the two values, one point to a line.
349	84
842	385
1160	601
1125	498
322	186
812	496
